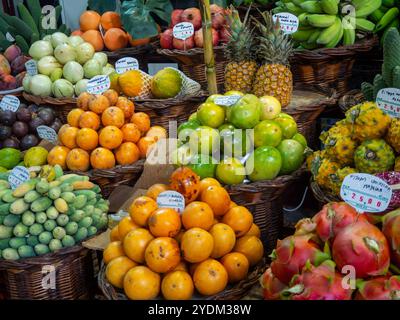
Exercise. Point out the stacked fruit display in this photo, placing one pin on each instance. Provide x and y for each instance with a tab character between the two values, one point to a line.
41	216
34	158
331	23
193	16
12	68
212	134
65	65
104	131
19	129
315	263
155	249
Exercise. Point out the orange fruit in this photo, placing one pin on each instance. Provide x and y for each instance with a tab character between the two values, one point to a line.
208	182
196	245
114	234
141	209
138	42
177	285
78	160
157	132
131	132
182	266
164	222
224	240
89	20
110	19
68	137
254	231
237	266
83	100
115	38
198	214
112	96
73	117
140	283
210	277
127	153
239	219
251	247
232	205
135	243
162	254
58	155
87	139
89	119
117	269
145	144
110	137
125	226
156	189
217	198
99	104
179	236
186	182
94	38
126	105
102	158
63	128
113	250
142	121
113	116
76	33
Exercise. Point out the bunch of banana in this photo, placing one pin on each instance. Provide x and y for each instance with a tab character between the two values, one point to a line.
330	23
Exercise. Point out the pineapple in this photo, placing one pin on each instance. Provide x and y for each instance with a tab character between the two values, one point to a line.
393	135
336	179
274	77
241	69
374	156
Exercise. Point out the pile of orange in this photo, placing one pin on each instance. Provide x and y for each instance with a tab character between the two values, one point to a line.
105	31
156	250
104	131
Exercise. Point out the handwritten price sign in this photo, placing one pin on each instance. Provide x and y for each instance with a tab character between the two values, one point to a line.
98	84
366	193
17	176
10	103
125	64
31	67
47	133
388	100
289	23
183	30
171	199
227	101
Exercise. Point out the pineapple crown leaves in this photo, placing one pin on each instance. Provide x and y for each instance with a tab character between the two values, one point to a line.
275	47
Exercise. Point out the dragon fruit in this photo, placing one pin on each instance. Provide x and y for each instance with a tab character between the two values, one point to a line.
392	178
319	283
391	229
382	288
272	286
291	255
334	217
363	246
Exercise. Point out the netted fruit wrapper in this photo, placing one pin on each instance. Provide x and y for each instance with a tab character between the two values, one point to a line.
189	86
145	93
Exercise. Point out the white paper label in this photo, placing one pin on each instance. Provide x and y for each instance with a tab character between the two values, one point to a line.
388	100
171	199
31	67
125	64
98	84
289	23
227	101
17	176
9	102
183	30
366	193
9	37
47	133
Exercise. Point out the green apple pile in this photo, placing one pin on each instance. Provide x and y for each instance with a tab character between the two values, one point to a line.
65	65
251	139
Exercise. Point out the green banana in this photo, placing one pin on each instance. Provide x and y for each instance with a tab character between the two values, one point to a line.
321	20
302	35
331	33
22	43
365	7
376	15
349	36
297	2
389	16
314	36
303	19
308	46
311	6
36	11
335	41
27	17
330	6
292	8
364	25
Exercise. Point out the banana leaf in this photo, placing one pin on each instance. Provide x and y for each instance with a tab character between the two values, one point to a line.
102	6
137	19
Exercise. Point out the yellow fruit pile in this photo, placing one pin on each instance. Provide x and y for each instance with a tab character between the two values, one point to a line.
214	242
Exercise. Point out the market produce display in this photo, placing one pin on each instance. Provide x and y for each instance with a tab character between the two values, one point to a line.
12	68
308	265
35	159
276	148
45	215
155	250
104	131
19	129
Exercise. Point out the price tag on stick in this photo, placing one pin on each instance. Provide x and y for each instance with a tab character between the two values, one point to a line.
10	103
388	100
47	133
31	67
171	199
366	193
125	64
183	30
17	176
98	84
288	22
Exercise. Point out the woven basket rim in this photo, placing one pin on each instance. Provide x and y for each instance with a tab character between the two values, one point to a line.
132	51
322	196
238	289
190	52
166	103
48	100
350	99
14	92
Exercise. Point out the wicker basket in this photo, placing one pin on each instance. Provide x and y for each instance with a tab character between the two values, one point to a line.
351	99
234	292
74	278
323	197
329	67
191	62
140	53
62	106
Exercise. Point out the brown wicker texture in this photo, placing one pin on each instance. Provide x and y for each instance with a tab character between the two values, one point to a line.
61	106
191	62
233	292
329	67
323	197
139	52
162	111
264	200
73	279
351	99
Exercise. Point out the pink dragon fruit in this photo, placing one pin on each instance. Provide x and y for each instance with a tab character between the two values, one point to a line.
391	229
272	286
363	246
334	217
291	255
319	283
382	288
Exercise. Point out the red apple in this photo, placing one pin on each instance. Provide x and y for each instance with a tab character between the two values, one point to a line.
192	15
166	39
176	17
224	35
217	16
183	44
198	38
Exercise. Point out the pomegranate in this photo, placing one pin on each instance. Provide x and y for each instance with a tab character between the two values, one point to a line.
198	38
217	16
272	286
224	35
381	288
176	17
193	16
183	44
166	39
391	229
363	246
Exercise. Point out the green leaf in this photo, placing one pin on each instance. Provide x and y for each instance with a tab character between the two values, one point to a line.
222	3
162	8
102	6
